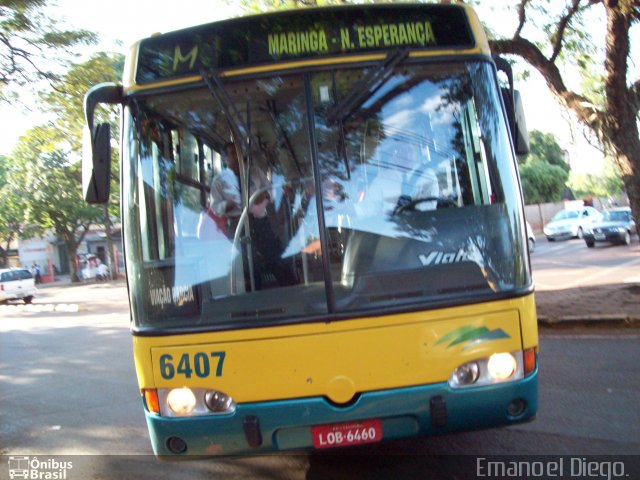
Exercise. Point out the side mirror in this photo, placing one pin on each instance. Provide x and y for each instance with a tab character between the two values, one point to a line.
96	158
520	134
96	164
514	109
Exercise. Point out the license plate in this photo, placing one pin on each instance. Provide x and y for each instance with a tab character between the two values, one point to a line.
345	434
599	236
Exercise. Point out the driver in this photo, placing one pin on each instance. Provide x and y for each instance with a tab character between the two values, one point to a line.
404	181
419	182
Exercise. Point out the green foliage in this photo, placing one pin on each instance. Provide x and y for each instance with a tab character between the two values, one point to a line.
32	45
66	100
544	148
40	182
13	222
608	183
539	187
49	188
4	170
12	210
50	183
542	182
257	6
543	172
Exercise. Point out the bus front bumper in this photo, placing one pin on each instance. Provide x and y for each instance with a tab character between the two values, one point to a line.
406	412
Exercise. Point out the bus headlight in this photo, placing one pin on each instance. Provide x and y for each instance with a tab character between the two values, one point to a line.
193	402
501	365
181	401
498	368
218	402
466	374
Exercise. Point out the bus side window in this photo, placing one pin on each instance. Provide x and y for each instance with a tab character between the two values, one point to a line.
154	185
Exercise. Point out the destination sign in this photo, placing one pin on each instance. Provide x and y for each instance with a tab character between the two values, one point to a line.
301	34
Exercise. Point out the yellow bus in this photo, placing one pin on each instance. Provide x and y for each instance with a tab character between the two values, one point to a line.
323	227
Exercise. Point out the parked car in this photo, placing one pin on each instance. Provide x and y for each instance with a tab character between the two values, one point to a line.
570	223
531	238
17	284
616	226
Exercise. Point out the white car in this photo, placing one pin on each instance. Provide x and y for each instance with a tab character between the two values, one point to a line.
570	223
17	284
531	238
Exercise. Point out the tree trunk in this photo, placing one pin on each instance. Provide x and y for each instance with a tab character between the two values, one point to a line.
107	228
620	125
5	254
626	147
72	248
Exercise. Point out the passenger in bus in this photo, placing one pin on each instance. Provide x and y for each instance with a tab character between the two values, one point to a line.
405	181
226	203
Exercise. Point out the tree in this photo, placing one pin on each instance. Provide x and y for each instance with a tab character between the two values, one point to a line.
50	186
606	184
542	182
45	170
66	101
544	147
11	213
256	6
31	44
612	118
543	171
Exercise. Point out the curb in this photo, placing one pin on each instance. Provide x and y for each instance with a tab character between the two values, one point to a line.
69	283
582	320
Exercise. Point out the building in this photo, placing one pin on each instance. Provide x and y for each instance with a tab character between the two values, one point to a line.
50	253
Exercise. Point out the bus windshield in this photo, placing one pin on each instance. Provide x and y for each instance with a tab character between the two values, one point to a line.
315	195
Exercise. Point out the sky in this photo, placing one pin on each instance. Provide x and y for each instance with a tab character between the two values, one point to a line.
121	22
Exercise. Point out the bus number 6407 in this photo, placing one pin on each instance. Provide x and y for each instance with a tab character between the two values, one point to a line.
199	364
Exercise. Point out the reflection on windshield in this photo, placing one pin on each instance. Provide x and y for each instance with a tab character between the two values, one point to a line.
413	198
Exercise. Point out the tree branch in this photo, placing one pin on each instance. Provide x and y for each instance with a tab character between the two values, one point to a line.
634	93
558	36
583	108
522	17
564	22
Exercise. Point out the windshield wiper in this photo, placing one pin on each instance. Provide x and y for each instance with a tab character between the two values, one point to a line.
366	87
237	125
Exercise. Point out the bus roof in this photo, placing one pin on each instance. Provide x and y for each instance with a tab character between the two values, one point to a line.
301	37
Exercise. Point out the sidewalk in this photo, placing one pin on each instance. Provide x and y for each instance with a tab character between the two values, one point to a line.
617	304
65	281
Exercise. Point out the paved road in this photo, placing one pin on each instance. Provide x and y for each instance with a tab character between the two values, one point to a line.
67	386
570	264
579	284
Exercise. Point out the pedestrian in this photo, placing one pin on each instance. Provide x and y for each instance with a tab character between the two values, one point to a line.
102	273
35	271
